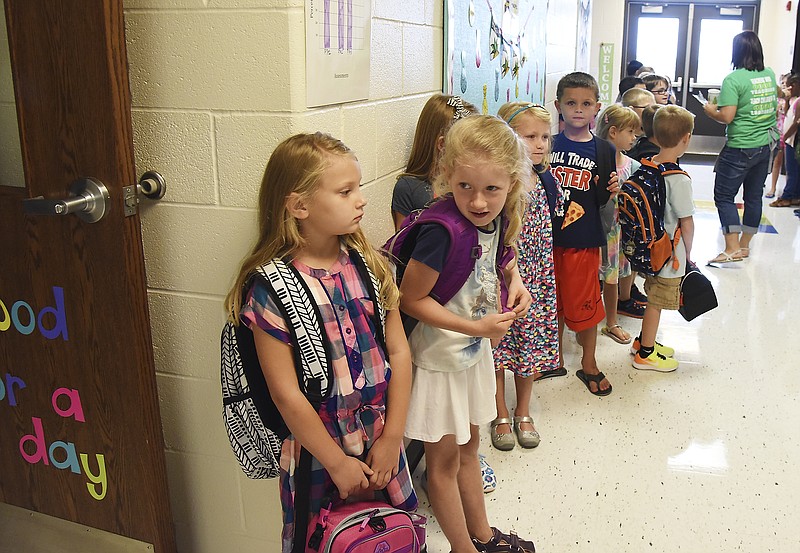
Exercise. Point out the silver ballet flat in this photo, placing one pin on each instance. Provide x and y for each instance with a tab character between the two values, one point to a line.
526	438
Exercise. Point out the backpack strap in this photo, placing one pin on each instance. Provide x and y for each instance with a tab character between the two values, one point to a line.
312	358
304	322
671	168
606	164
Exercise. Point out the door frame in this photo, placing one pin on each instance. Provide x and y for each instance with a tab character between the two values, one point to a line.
701	143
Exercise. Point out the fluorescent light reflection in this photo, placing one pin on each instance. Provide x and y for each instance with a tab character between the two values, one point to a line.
701	458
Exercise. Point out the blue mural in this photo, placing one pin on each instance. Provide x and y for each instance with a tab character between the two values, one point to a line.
495	51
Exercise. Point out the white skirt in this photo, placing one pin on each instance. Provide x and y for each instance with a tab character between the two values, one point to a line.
445	402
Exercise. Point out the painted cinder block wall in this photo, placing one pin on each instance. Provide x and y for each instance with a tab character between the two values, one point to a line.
216	84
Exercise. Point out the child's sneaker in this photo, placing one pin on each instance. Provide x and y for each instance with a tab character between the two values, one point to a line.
487	475
655	362
637	295
666	351
630	308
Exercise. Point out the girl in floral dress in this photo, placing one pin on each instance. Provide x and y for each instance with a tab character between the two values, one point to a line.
530	348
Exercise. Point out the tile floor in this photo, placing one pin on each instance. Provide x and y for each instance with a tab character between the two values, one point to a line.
699	460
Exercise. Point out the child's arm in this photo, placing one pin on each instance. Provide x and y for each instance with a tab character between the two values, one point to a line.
686	224
348	473
385	452
793	127
519	298
415	300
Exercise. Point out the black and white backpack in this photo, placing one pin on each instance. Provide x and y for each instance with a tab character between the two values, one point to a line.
255	427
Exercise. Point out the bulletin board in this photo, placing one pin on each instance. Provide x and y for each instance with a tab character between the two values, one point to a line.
495	51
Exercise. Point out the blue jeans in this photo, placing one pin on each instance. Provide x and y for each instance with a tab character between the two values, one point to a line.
792	189
736	167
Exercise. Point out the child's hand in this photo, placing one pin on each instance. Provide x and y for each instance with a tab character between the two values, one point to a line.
383	458
350	476
519	298
613	184
494	326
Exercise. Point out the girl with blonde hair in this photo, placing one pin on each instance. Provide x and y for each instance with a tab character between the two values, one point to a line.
530	348
310	209
482	174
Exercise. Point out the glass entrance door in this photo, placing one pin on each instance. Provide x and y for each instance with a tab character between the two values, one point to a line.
691	44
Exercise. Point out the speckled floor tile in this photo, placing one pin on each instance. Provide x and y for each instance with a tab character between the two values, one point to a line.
699	460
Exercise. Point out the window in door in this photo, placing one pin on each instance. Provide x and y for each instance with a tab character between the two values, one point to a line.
716	36
660	54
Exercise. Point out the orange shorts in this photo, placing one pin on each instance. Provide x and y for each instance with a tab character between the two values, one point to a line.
578	287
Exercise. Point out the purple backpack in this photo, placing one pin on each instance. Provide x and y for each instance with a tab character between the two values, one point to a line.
464	248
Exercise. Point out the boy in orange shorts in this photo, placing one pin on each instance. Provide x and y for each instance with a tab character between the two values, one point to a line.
584	166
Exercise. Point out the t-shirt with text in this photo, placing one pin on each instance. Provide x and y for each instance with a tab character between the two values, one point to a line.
574	165
755	96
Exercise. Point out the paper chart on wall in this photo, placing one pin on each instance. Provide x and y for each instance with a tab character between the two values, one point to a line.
337	51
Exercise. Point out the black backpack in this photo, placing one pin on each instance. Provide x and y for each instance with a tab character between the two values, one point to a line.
642	201
254	425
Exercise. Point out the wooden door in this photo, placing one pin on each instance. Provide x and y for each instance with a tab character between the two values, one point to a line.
80	430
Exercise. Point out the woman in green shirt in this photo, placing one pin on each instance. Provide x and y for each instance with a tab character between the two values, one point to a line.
747	104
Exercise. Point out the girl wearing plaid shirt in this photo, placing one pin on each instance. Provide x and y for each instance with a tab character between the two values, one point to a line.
310	209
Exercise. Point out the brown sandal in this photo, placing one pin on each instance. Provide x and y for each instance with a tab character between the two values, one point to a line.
781	202
504	543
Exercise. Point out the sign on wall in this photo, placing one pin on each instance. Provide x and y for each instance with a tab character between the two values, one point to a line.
337	51
495	51
605	73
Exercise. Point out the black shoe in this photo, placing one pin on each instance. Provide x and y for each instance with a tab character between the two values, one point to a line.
630	308
637	295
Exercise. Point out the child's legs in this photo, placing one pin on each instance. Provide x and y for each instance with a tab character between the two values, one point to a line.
561	339
777	163
500	400
443	461
470	487
610	297
588	341
610	271
625	286
652	316
524	389
662	293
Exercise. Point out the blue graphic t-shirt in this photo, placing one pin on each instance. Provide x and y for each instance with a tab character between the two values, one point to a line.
574	165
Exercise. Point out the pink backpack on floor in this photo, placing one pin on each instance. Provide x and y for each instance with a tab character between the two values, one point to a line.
366	527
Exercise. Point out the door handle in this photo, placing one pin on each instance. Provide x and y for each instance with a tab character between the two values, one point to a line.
88	199
691	84
676	86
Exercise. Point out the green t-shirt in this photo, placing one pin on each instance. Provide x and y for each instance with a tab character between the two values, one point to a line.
755	95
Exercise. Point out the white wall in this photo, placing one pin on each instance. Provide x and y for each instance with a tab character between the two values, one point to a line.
776	30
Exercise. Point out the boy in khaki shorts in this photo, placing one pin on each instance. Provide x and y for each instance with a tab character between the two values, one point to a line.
672	128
